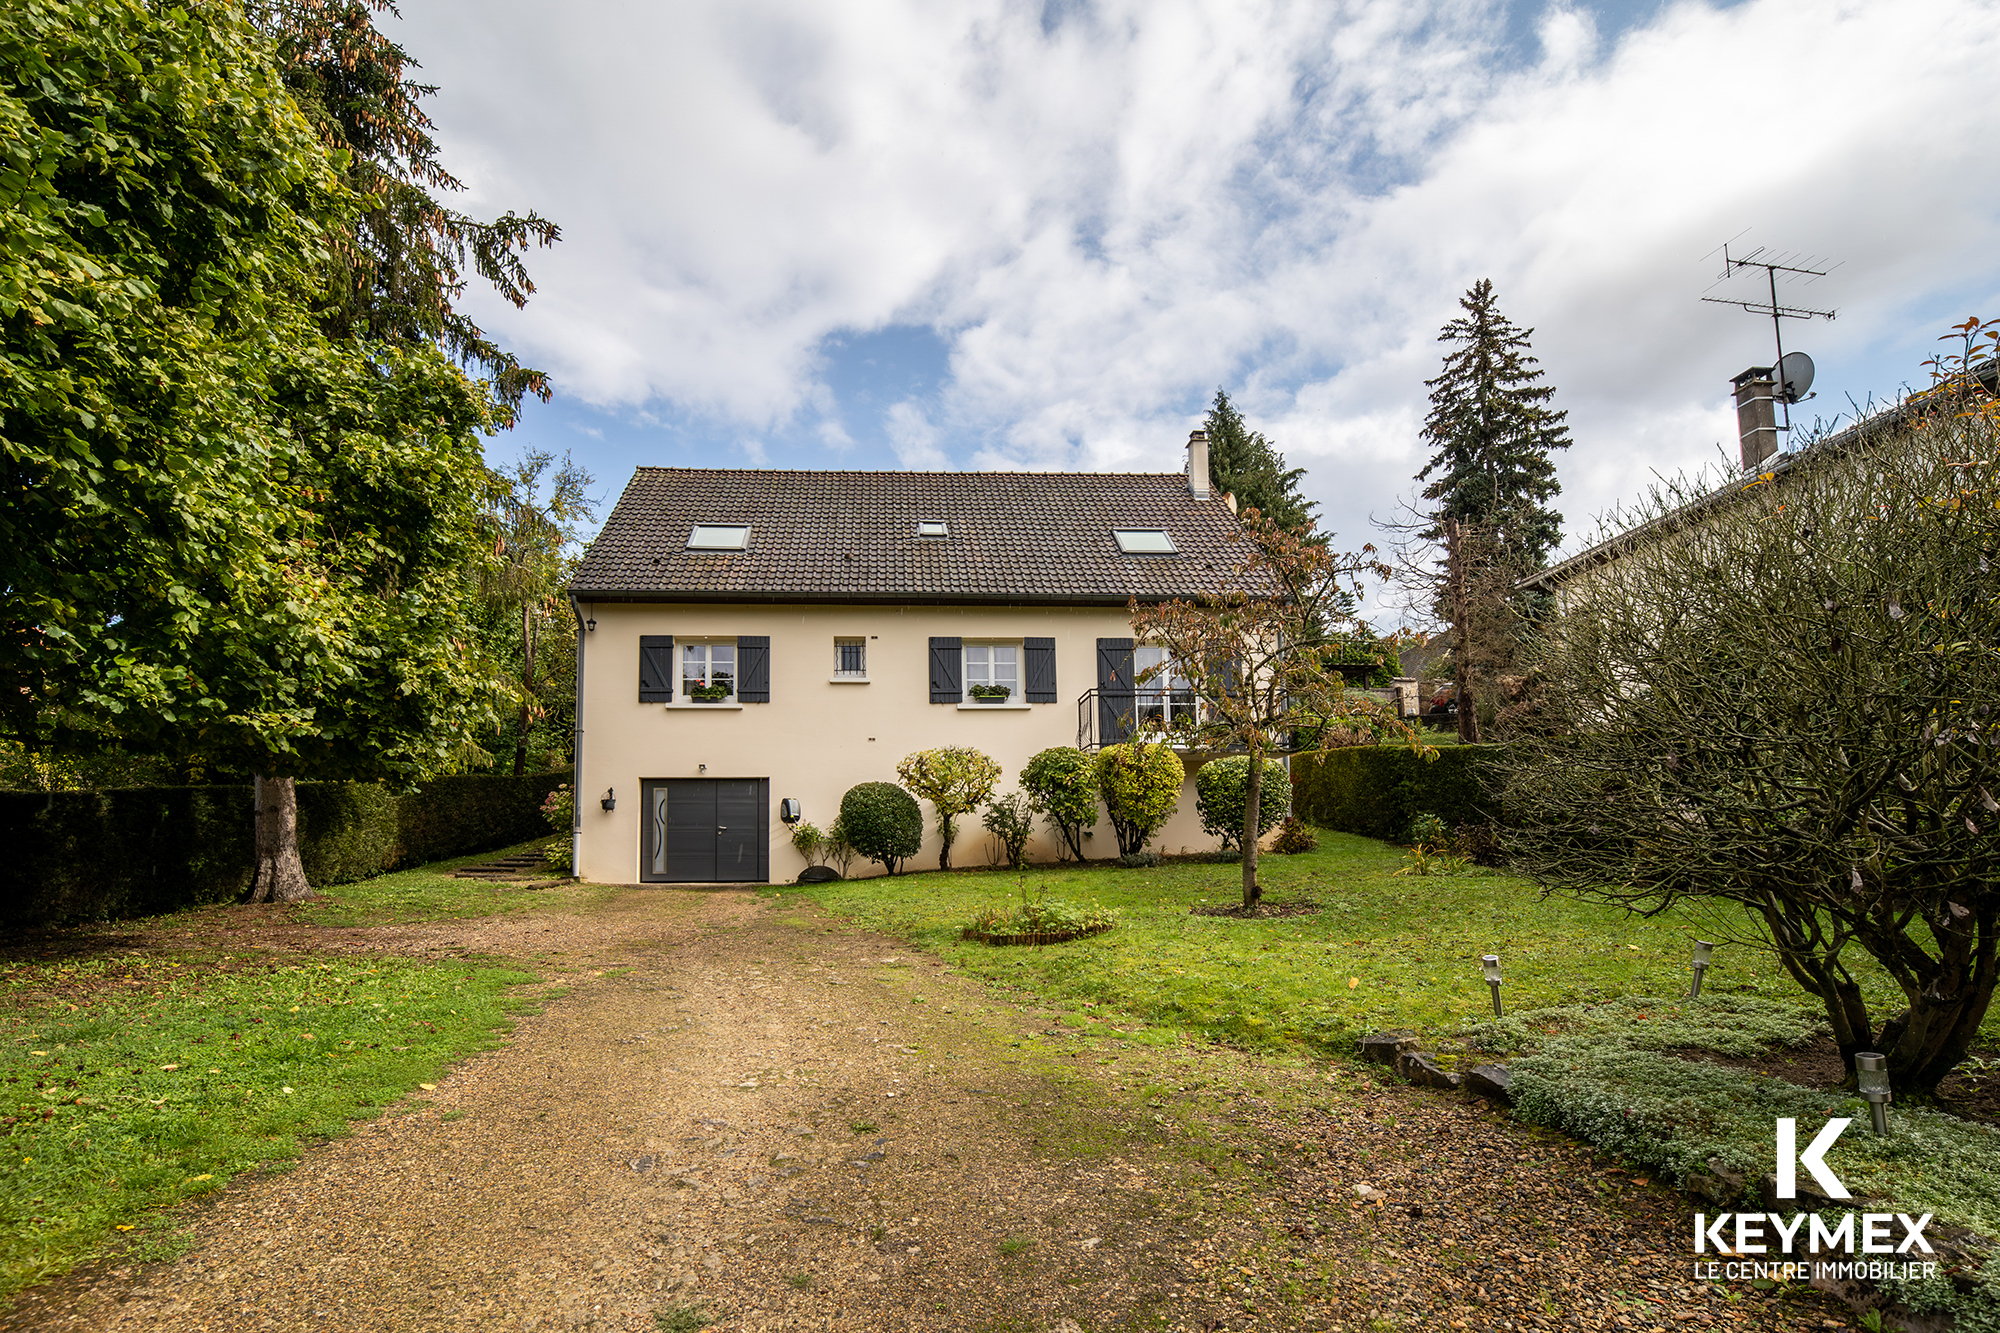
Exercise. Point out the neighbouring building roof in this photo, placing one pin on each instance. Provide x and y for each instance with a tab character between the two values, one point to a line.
1013	537
1865	433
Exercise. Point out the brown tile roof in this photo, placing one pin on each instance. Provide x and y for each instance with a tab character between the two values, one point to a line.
851	537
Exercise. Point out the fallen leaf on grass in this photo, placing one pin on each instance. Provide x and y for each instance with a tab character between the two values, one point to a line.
428	1087
1352	982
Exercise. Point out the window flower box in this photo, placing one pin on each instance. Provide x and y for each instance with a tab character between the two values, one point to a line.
990	694
709	694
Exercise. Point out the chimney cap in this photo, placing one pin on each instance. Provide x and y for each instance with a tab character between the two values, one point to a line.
1752	375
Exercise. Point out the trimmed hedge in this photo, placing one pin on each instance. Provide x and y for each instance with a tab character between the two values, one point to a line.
110	855
1376	790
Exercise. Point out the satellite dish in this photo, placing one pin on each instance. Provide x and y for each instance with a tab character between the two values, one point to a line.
1795	376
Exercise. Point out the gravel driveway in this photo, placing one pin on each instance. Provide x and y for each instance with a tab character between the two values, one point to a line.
745	1109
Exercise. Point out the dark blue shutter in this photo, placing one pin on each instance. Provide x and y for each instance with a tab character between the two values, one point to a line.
1115	706
753	666
656	668
947	670
1041	673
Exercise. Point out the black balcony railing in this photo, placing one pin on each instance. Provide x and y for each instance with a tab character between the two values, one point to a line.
1107	717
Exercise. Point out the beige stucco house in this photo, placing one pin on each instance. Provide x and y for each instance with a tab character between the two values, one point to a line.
748	637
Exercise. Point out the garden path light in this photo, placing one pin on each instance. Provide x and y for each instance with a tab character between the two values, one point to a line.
1871	1073
1492	964
1703	952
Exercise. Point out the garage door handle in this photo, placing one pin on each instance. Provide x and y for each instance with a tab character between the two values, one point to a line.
722	828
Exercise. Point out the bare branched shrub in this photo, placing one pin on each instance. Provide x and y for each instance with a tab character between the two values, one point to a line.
1783	697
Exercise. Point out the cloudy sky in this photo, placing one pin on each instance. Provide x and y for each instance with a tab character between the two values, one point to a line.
997	234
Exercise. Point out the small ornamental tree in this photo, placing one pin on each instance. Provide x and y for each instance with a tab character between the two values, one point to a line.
882	822
956	780
1262	661
1062	787
1138	782
1219	791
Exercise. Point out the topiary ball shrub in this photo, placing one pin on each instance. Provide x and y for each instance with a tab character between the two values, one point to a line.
1220	795
1296	836
882	822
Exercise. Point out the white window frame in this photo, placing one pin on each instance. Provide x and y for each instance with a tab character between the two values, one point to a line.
719	537
707	647
1017	697
1139	541
841	677
1168	691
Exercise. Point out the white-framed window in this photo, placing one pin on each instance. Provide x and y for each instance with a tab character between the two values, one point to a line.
719	537
1166	698
707	665
933	527
990	664
850	658
1144	541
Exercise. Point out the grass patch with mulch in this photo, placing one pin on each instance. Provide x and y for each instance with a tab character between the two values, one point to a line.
133	1081
1384	950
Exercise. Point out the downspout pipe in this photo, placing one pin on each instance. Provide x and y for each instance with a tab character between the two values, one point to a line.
576	753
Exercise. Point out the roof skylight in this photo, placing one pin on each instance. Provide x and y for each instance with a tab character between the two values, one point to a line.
1144	541
719	537
932	527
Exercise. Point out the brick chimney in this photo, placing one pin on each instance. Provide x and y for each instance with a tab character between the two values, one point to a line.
1756	415
1197	464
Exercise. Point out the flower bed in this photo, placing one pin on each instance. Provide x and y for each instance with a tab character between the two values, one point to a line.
1032	937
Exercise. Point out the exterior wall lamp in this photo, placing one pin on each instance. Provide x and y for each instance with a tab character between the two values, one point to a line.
1871	1075
1703	952
610	801
1491	962
590	625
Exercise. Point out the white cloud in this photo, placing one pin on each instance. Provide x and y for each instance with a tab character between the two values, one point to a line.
1107	219
914	439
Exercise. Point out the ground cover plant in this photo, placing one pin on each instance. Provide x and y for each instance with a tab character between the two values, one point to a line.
133	1081
1384	951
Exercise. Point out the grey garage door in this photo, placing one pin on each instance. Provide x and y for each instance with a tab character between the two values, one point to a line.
706	831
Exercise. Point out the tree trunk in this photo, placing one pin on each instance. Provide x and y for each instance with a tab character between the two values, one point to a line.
947	829
1461	625
281	876
527	688
1253	790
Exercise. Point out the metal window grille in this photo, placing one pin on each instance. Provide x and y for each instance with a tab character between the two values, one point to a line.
850	657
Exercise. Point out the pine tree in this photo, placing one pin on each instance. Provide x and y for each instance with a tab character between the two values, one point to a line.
1493	428
398	275
1243	463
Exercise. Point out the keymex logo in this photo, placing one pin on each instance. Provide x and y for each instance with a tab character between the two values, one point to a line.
1738	1235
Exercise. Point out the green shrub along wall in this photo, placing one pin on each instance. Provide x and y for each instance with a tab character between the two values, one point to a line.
1376	790
110	855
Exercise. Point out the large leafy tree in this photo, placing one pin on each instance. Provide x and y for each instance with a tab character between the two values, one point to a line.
1241	462
232	530
1261	663
1781	703
161	205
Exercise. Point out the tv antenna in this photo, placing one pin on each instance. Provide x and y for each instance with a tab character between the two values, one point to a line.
1792	370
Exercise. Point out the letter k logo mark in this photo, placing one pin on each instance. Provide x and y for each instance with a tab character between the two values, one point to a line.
1812	1159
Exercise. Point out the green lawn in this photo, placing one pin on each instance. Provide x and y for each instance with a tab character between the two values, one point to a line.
429	893
1388	951
130	1080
